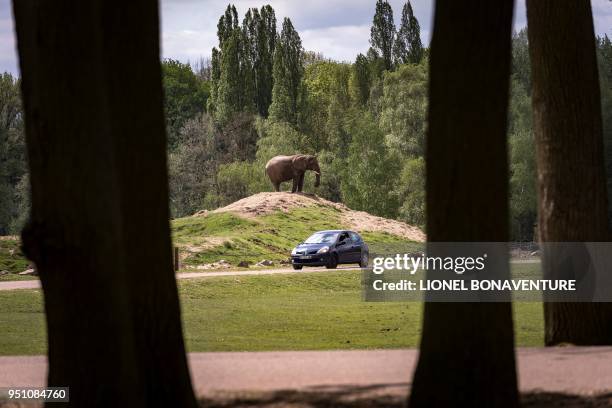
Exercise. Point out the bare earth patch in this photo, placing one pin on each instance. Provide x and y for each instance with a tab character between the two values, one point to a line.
267	203
204	244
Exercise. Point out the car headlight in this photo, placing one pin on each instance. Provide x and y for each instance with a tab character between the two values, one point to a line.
323	250
293	251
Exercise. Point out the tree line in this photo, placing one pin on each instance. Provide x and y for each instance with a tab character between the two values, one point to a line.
261	94
365	120
268	96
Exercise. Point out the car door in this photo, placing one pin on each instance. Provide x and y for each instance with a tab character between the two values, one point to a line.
355	247
343	248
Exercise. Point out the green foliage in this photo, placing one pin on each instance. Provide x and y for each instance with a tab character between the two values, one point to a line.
215	76
11	258
521	68
331	175
192	166
360	80
403	109
407	47
523	203
185	96
227	25
260	32
277	138
287	75
236	180
411	192
327	99
376	64
523	195
235	88
382	32
13	197
370	172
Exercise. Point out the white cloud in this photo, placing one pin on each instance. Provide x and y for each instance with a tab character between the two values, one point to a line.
339	43
187	45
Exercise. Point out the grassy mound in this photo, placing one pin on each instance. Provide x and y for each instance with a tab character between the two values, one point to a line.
262	226
225	235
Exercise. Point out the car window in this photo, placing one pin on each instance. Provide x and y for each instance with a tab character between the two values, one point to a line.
343	237
322	238
354	237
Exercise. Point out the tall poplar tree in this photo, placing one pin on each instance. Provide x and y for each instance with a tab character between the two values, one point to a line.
259	28
382	32
228	23
215	76
234	91
266	43
287	74
408	47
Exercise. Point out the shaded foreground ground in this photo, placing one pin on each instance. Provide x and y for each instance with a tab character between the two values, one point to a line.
568	377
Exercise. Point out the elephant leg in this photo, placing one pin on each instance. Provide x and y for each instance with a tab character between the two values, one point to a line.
277	187
301	184
294	187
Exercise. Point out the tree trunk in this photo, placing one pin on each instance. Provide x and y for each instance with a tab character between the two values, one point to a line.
99	231
572	201
467	349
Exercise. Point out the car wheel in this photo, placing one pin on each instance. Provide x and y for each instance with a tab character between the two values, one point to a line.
333	262
364	260
297	267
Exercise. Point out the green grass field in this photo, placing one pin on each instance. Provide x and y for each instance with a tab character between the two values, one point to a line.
313	311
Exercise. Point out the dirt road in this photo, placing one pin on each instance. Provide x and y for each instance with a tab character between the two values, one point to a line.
575	370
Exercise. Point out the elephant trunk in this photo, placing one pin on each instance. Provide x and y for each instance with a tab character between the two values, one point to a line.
317	171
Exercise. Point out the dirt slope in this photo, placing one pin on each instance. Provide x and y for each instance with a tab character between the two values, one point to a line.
267	203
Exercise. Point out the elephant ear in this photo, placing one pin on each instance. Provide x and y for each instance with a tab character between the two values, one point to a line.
300	162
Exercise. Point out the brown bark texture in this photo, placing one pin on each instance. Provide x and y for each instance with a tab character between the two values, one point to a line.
467	349
572	198
99	231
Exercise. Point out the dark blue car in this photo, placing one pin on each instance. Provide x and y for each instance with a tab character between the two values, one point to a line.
329	249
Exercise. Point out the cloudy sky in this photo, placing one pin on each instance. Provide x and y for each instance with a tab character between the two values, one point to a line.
338	28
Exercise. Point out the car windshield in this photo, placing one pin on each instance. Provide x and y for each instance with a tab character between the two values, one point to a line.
322	238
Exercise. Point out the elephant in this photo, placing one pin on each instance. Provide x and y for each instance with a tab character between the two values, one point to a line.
285	168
